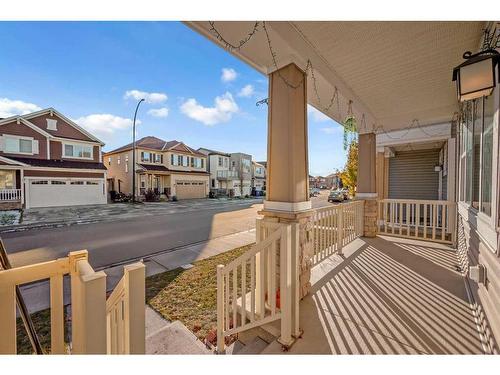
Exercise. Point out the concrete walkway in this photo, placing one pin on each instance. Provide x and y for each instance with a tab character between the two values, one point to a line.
37	295
388	296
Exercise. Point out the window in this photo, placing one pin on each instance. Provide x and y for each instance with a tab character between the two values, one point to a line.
57	182
476	154
476	148
51	124
40	182
245	165
180	159
18	145
185	161
193	162
109	160
146	157
220	161
172	159
78	151
158	158
126	166
6	179
487	155
118	160
92	183
76	182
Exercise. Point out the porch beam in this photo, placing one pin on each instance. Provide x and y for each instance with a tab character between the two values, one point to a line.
367	182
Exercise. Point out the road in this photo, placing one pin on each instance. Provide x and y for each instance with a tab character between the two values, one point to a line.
117	241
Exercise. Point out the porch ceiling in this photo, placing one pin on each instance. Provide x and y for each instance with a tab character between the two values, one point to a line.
394	72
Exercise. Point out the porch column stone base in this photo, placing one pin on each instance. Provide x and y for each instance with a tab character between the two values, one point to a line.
370	227
304	246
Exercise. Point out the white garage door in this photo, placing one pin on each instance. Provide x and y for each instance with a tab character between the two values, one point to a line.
64	192
190	189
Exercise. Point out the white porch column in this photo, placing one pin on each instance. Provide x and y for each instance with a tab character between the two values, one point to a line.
287	199
367	182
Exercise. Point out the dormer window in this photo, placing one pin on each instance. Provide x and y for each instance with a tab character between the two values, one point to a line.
51	124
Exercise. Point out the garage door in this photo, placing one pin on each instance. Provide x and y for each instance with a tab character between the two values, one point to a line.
64	192
190	189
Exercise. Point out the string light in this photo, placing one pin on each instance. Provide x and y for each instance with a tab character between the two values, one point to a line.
491	38
229	46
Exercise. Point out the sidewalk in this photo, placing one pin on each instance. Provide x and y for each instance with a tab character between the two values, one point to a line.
37	296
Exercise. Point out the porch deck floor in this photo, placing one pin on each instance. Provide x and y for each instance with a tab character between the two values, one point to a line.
387	296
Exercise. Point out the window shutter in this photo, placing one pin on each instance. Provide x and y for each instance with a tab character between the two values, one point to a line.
2	143
35	146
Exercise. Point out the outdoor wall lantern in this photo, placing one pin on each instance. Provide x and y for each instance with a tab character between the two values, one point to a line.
476	76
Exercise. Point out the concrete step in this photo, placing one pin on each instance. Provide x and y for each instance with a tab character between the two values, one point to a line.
256	346
174	338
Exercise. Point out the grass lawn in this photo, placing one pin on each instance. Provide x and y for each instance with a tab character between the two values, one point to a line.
190	295
186	295
41	321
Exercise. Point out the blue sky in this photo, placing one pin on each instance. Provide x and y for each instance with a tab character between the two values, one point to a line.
196	92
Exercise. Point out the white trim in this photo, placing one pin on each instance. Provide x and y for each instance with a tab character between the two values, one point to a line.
12	162
52	169
366	195
20	119
19	137
53	112
287	206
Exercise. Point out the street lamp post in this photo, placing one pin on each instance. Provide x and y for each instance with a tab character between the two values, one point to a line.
133	152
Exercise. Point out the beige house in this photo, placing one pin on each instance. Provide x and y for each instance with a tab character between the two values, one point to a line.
168	168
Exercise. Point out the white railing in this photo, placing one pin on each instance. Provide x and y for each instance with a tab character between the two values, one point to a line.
125	313
227	174
255	289
336	226
10	194
88	304
420	219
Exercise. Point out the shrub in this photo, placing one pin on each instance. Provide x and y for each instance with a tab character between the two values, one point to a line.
174	198
151	196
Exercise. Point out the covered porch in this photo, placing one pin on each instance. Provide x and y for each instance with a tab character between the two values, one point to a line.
11	191
390	294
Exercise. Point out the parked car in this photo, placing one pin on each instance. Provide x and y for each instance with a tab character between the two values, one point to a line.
336	196
313	192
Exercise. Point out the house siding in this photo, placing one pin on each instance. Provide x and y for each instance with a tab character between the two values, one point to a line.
473	250
64	130
13	128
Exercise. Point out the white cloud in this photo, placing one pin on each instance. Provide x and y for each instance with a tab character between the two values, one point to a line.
151	97
331	130
10	107
105	125
317	115
158	112
228	75
222	111
247	91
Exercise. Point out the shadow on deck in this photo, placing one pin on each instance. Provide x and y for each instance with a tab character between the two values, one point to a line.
388	296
